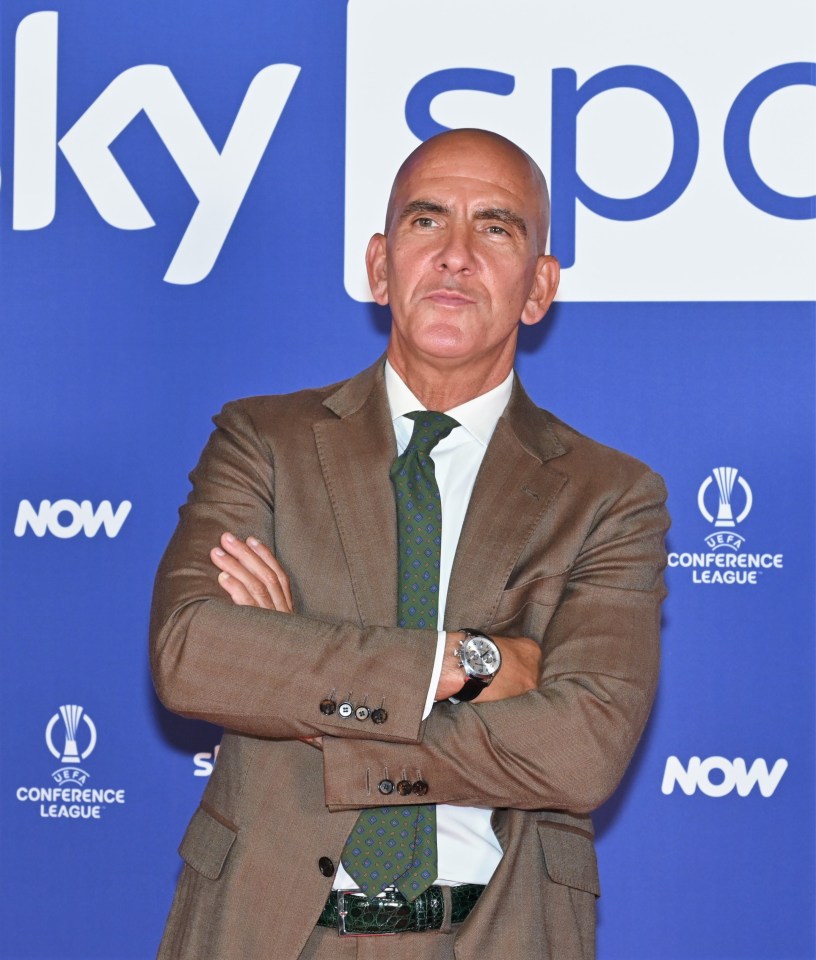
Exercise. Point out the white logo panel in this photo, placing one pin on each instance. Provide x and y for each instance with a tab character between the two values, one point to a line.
678	156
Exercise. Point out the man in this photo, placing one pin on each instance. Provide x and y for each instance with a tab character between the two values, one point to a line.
550	557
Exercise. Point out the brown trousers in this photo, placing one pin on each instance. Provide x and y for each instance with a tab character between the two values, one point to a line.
326	944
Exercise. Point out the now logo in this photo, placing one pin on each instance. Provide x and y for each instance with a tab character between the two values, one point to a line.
727	776
67	518
219	180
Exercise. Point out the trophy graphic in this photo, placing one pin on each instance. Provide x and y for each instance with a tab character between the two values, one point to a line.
71	715
725	477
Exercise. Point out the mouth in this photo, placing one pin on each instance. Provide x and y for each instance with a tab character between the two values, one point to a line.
449	298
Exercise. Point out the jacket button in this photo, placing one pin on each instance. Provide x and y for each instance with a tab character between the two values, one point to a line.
386	786
379	715
325	866
404	788
420	788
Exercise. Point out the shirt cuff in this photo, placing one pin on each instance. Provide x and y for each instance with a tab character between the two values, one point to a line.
437	670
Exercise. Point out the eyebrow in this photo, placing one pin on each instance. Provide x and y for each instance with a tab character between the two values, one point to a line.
424	206
502	214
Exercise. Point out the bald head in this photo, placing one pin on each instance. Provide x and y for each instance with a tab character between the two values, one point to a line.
478	155
461	263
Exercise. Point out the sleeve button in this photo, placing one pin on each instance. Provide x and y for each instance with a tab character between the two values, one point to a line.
379	715
404	788
420	788
386	786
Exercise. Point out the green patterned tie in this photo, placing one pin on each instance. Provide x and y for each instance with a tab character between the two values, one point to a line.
398	844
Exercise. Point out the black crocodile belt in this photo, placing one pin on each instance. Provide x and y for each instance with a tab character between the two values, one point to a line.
355	914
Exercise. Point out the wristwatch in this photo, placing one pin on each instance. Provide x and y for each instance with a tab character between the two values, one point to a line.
480	658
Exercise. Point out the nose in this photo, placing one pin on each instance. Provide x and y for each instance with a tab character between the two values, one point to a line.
455	254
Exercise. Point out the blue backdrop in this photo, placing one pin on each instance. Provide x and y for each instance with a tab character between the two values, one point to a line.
112	365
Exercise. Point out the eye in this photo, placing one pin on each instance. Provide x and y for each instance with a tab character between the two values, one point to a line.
425	222
495	229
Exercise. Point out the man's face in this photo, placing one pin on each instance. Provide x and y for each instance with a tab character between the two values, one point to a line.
460	263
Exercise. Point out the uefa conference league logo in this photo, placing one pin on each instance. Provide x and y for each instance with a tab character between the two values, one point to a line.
725	478
72	741
725	499
72	716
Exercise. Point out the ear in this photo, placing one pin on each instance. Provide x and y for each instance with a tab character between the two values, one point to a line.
377	267
545	284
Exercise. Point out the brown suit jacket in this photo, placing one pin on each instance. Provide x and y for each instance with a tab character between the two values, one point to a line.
563	541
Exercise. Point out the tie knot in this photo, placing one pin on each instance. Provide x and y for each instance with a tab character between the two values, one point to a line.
429	428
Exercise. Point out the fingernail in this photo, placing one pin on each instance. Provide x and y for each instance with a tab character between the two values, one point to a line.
229	538
219	552
252	542
223	576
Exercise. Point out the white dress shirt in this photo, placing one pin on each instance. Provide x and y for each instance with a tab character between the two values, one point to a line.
467	846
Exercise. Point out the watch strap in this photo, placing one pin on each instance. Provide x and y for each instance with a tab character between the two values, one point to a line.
472	688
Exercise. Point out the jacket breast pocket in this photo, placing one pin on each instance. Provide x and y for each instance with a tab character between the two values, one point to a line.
528	607
206	843
569	856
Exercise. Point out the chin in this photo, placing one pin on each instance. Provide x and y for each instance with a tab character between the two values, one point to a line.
444	341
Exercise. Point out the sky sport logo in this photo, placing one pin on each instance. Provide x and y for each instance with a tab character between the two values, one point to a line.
725	499
71	738
204	762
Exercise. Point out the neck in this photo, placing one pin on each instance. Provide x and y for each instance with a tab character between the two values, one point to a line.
444	383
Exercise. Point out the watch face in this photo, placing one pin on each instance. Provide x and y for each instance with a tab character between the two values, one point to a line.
481	655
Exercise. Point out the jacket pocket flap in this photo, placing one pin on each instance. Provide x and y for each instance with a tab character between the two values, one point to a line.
206	843
569	856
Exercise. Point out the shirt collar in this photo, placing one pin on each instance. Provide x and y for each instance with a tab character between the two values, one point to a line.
478	416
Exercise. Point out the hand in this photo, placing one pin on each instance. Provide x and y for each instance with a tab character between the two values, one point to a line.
519	672
251	575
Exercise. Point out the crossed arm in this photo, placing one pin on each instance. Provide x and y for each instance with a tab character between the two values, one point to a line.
560	741
253	663
252	577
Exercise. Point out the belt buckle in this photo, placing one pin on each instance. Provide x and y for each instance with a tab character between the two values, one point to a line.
342	913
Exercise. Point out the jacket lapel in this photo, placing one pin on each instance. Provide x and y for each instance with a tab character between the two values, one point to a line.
356	451
515	487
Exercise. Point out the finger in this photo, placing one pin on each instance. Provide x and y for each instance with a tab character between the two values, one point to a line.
262	593
254	567
238	593
258	565
271	561
242	588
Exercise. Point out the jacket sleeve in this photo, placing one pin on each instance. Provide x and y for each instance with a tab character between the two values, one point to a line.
258	671
566	744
